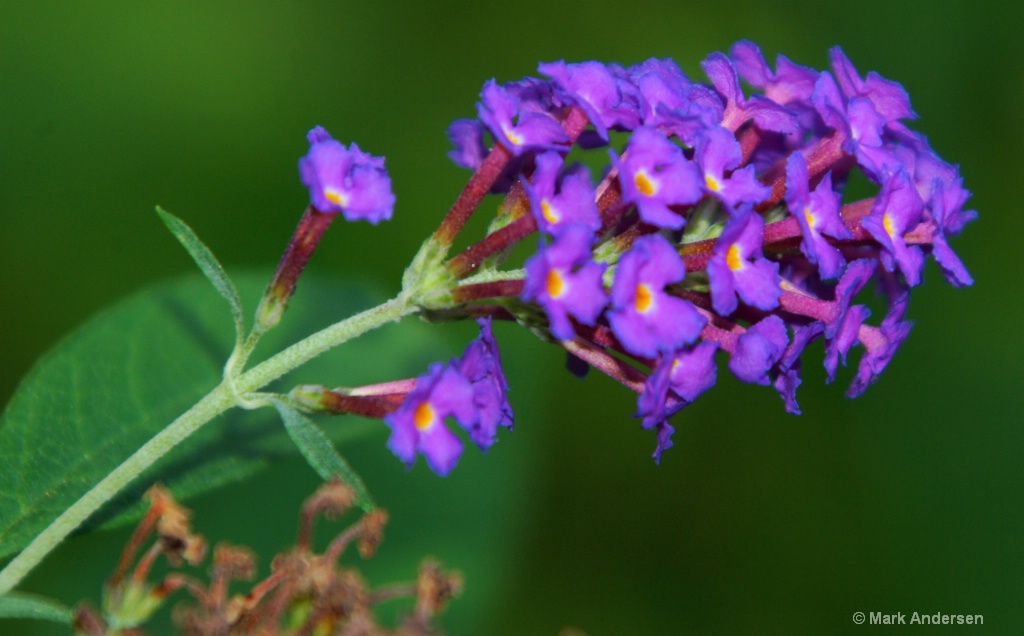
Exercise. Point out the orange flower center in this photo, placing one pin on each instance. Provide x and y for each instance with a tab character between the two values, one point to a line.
334	196
733	258
555	283
890	226
644	184
713	184
424	416
549	212
644	299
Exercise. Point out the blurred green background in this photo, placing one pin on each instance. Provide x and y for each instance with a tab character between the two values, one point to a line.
907	499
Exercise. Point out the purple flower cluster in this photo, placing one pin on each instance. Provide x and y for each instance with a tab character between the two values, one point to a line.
719	225
718	228
472	390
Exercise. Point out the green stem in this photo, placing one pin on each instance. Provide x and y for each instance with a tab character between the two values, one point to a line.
220	399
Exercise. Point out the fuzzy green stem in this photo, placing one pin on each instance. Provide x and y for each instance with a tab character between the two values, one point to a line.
220	399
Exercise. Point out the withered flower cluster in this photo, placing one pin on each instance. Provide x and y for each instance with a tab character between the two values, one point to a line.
305	593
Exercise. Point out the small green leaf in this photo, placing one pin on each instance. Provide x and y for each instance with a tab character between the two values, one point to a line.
318	450
128	372
20	605
209	265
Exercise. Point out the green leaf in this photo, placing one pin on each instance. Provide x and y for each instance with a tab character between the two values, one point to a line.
20	605
318	450
111	385
209	265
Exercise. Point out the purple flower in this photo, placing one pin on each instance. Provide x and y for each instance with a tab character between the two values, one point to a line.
670	102
345	180
594	88
758	349
846	335
947	215
738	266
480	364
678	379
564	280
512	125
860	125
662	87
654	175
818	215
881	344
791	84
418	424
889	98
574	202
764	112
718	152
897	210
787	378
467	135
644	318
856	276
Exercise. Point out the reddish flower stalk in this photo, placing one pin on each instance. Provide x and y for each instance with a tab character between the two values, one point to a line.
304	240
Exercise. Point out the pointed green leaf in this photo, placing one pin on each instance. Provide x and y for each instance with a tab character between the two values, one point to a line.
209	265
20	605
128	372
318	450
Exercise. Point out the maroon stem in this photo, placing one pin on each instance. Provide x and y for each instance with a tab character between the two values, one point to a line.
494	289
606	363
821	158
466	262
373	406
523	225
474	192
304	240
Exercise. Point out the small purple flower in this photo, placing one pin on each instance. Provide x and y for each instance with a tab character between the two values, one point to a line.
575	200
594	88
845	336
860	125
853	280
947	215
738	266
881	344
345	180
418	424
481	365
896	211
564	280
655	175
678	379
889	98
662	87
644	318
787	378
670	102
718	152
512	125
790	84
764	112
467	135
758	349
818	215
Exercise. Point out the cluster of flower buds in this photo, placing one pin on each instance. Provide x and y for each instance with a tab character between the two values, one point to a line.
305	593
717	225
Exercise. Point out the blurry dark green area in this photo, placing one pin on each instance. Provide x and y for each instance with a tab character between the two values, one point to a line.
907	499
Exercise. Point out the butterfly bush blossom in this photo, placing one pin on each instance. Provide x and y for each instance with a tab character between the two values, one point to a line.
717	229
